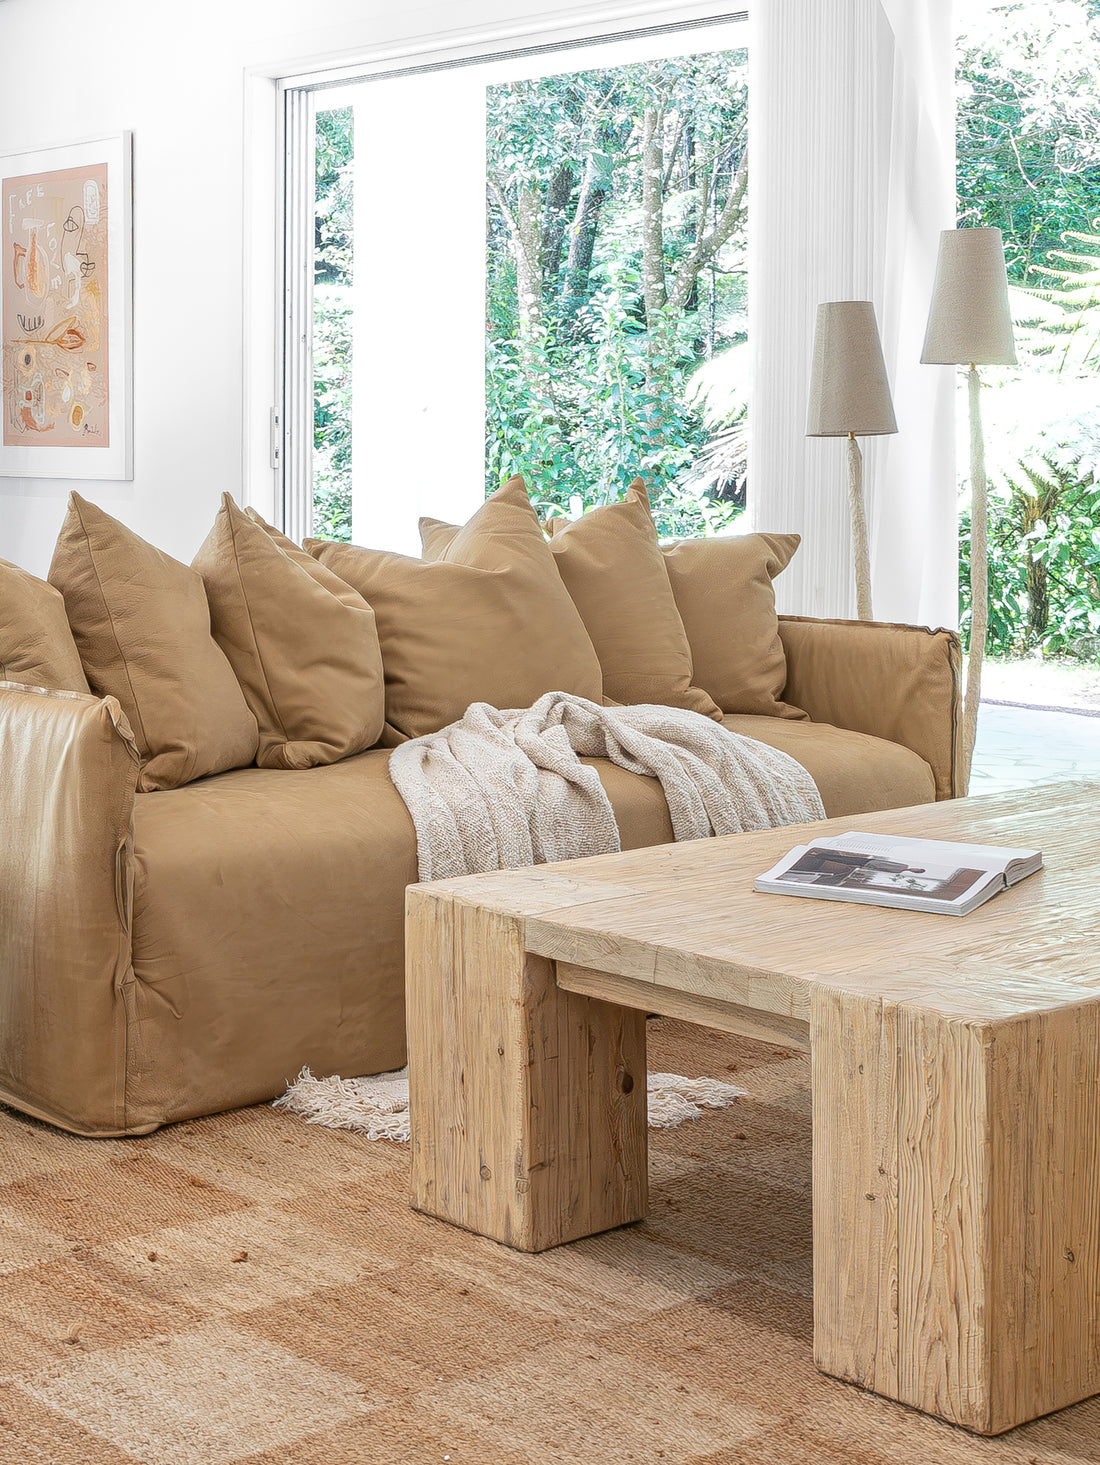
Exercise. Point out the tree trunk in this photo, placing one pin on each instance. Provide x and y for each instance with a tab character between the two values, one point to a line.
524	229
527	248
653	240
653	265
708	244
695	220
1038	601
595	189
557	217
1033	508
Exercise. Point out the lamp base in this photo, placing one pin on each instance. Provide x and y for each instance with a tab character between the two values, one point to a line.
979	577
861	557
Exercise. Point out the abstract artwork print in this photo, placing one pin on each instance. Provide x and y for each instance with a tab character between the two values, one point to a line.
55	321
66	311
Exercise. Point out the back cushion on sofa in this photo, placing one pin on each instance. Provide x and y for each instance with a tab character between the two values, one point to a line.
612	566
723	590
36	645
296	552
435	537
489	622
303	644
142	625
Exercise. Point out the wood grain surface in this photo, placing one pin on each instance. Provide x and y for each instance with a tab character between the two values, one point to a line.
527	1103
956	1081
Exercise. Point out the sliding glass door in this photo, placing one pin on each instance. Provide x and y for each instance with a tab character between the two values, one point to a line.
532	263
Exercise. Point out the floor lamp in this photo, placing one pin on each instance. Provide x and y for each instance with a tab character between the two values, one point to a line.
970	324
850	396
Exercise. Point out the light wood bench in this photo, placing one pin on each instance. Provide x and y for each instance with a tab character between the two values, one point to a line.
955	1078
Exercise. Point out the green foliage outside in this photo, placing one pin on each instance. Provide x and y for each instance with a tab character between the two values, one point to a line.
1029	163
332	326
615	271
616	298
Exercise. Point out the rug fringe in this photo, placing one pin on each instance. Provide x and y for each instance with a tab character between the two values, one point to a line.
378	1106
674	1099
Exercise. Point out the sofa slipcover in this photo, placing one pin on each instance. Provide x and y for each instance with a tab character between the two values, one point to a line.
299	955
854	773
173	953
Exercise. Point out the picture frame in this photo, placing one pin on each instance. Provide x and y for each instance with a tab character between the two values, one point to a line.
66	311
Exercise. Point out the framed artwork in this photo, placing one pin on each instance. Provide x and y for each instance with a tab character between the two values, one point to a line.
66	312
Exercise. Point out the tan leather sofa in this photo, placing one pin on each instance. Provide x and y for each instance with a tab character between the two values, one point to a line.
170	954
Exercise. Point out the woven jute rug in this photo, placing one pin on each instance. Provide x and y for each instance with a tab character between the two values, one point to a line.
248	1288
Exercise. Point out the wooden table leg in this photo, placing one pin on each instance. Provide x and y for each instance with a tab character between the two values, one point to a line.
957	1204
527	1103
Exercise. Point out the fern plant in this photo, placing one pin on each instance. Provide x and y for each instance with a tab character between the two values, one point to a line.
1045	507
1044	561
1065	326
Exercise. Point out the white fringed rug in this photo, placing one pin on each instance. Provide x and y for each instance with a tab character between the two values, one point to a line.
379	1106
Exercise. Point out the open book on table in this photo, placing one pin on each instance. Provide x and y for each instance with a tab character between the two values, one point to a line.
912	874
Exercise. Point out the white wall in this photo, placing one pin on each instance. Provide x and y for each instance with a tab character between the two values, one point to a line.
177	79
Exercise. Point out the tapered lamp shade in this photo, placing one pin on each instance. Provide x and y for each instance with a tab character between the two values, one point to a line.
970	320
849	392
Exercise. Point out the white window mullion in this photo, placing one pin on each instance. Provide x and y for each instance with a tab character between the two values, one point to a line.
296	458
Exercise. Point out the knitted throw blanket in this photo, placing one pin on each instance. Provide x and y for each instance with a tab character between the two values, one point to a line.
498	790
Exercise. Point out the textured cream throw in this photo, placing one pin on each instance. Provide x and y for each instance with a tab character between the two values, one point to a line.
498	790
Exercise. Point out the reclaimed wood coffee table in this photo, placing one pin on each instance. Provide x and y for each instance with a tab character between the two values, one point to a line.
955	1077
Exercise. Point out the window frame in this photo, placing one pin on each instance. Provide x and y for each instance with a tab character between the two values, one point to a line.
280	120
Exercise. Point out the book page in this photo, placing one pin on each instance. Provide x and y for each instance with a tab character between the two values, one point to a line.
982	856
894	868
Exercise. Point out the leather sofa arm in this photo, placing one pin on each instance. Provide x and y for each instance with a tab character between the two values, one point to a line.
901	683
70	768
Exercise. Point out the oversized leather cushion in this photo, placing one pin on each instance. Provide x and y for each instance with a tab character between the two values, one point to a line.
36	645
723	591
303	644
613	568
142	625
491	621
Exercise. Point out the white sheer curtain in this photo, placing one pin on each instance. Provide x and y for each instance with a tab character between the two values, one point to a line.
852	180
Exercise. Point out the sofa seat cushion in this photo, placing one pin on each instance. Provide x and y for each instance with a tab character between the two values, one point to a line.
854	772
268	912
268	928
267	931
